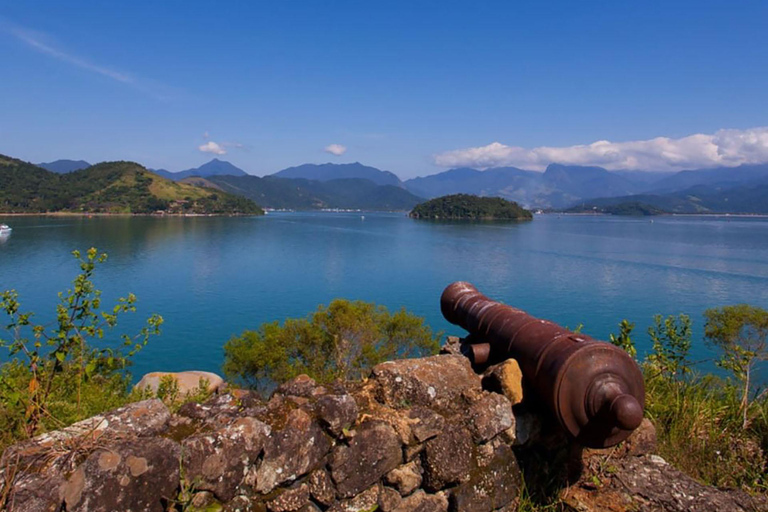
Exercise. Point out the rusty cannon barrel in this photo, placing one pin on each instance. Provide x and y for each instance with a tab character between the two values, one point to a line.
594	389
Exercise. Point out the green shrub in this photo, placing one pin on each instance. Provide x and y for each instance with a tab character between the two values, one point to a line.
168	391
340	341
741	332
704	424
69	370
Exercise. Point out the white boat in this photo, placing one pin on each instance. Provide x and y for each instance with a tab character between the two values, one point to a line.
5	229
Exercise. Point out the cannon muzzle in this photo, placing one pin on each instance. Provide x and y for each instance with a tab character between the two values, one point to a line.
594	389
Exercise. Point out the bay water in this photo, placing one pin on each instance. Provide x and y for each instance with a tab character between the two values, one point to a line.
212	277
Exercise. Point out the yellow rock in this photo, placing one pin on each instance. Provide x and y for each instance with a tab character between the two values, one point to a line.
511	380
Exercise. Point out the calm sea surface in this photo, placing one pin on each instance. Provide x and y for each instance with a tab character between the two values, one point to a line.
211	278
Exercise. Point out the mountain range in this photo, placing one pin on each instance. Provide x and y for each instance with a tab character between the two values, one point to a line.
354	185
718	190
306	194
64	166
329	171
215	167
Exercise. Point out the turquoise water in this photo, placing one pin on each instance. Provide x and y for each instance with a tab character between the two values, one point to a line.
211	278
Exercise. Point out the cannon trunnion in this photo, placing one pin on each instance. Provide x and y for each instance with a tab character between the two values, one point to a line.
594	389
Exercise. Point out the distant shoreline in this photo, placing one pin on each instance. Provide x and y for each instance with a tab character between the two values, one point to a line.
104	214
570	214
600	214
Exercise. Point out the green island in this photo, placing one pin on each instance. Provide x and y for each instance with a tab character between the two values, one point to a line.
109	188
469	207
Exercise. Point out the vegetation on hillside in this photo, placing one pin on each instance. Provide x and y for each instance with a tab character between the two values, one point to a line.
469	207
712	428
110	187
700	199
628	208
343	340
304	194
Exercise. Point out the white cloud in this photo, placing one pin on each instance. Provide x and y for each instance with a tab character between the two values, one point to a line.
212	147
335	149
727	148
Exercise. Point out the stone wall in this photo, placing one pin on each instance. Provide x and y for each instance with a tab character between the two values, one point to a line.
419	435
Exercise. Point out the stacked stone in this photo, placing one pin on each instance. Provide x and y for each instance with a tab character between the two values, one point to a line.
426	435
420	434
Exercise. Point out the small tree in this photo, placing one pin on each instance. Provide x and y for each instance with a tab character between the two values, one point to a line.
671	338
741	332
51	365
340	341
624	339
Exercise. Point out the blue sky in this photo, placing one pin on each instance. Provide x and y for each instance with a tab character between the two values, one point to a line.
411	87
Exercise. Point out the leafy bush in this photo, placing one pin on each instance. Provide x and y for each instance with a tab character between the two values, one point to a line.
671	339
56	374
340	341
704	424
741	332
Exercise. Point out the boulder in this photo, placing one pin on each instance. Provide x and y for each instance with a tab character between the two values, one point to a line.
452	346
641	442
214	413
496	482
448	459
405	478
389	499
242	504
435	382
36	492
217	461
141	474
336	412
290	500
188	381
291	452
489	416
423	502
366	501
302	386
425	423
648	482
50	453
321	487
373	451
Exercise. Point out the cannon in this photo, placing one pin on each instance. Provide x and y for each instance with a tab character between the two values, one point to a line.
594	389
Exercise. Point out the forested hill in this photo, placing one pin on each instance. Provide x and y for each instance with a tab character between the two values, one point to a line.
469	207
304	194
109	187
